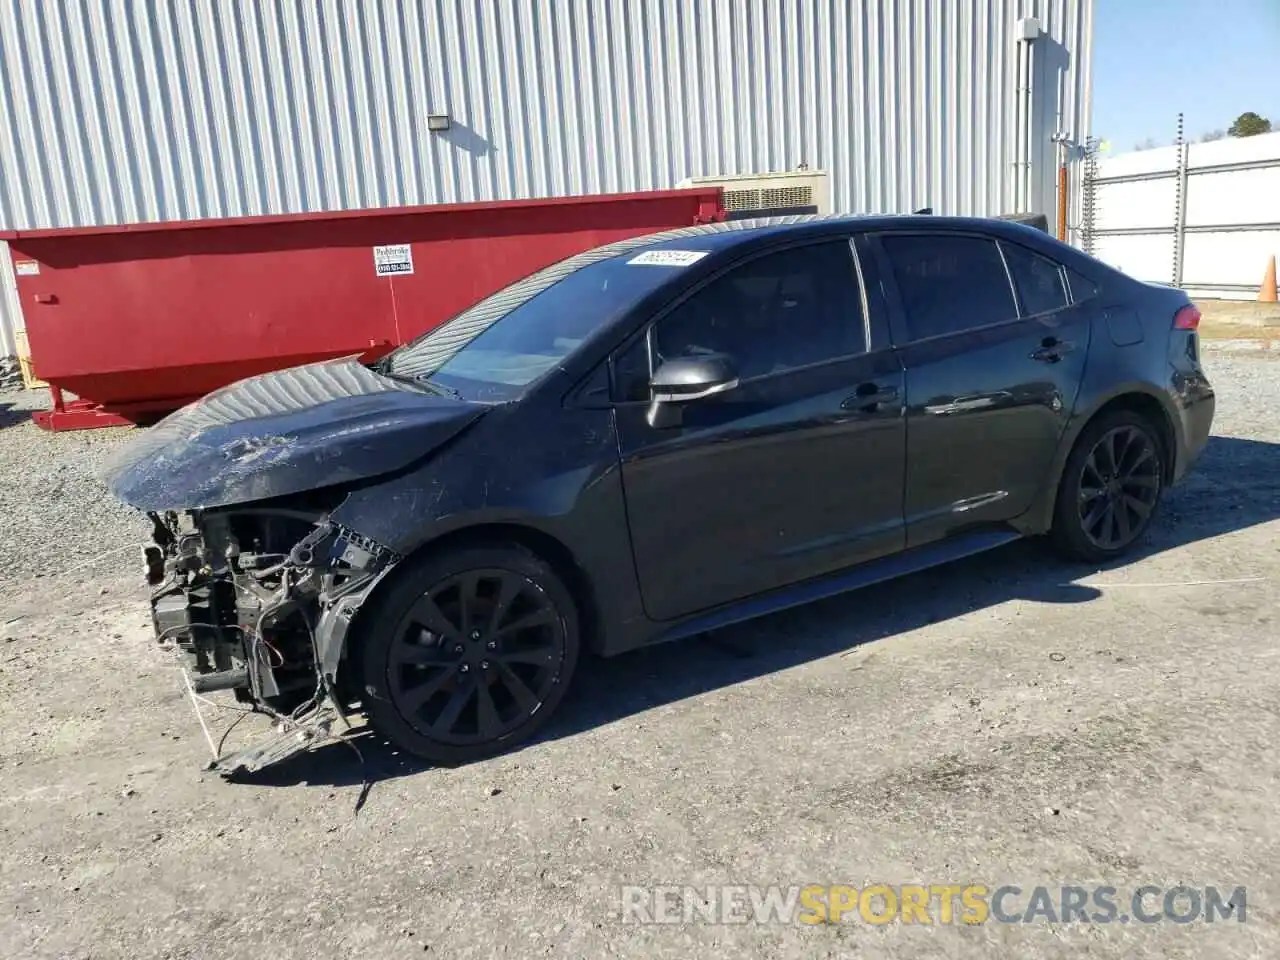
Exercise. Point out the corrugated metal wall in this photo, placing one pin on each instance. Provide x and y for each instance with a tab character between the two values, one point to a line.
116	112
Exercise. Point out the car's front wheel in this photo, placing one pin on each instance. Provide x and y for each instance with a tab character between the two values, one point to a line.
468	653
1110	487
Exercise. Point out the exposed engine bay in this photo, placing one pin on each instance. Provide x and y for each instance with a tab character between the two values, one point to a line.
256	570
260	600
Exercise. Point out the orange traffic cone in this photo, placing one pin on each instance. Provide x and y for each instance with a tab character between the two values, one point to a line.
1268	292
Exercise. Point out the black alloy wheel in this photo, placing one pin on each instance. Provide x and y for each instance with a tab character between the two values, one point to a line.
1118	487
470	654
1110	489
476	656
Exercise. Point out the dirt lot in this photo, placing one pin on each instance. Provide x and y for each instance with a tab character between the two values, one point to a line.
1009	720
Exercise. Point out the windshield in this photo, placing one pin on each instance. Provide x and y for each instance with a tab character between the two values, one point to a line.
492	351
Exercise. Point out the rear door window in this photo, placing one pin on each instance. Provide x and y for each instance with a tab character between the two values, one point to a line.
949	283
1040	281
1082	288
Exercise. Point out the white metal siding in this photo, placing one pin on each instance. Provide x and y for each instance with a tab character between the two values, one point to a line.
117	112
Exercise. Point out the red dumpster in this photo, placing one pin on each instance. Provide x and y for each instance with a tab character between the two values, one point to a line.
137	320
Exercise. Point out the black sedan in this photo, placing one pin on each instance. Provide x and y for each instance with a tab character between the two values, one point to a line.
650	440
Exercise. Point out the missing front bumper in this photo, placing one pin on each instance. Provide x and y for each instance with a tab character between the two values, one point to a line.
270	623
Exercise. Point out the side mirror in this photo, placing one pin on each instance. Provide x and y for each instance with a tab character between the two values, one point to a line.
687	378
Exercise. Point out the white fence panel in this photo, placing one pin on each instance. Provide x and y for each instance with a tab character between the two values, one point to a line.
1227	264
1233	196
1130	205
1147	256
1205	216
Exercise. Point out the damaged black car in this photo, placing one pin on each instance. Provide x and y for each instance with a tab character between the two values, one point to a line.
646	441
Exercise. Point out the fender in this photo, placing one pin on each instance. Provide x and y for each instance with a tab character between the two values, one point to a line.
579	506
1038	518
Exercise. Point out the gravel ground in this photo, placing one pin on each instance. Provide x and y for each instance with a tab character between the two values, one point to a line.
1006	720
54	514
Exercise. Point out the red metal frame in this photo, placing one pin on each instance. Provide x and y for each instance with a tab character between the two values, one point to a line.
88	415
709	207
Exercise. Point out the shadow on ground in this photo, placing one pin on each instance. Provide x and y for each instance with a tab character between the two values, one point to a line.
1235	485
11	416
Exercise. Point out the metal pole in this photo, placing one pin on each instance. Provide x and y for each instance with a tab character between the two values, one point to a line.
1062	201
1019	125
1089	196
1179	207
1029	124
1064	144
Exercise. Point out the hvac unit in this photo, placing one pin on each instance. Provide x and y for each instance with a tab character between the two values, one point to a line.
770	194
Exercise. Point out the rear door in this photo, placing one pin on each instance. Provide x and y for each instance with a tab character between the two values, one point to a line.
794	473
993	354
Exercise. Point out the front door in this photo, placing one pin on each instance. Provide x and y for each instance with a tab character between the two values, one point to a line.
794	473
994	355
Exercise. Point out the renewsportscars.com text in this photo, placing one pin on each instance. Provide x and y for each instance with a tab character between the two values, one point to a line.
943	904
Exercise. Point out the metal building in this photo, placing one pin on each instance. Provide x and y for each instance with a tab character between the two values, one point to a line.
116	111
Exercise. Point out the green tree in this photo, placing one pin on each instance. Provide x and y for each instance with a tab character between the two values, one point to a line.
1249	124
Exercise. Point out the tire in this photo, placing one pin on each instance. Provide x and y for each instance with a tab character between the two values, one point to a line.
1104	508
454	683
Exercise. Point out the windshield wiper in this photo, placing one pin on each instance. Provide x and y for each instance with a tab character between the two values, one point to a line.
419	380
423	380
384	371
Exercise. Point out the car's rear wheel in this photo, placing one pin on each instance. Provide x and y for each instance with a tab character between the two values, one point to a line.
1110	487
468	653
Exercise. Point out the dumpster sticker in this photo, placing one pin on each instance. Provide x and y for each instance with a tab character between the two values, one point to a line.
392	260
667	258
26	268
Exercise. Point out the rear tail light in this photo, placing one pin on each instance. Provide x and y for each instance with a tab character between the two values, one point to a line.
1188	318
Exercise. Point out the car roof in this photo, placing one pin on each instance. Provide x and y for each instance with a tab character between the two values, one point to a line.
716	237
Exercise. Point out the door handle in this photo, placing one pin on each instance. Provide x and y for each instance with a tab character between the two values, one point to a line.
869	397
959	405
967	404
1052	350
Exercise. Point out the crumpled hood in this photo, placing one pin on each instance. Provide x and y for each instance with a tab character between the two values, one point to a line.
285	432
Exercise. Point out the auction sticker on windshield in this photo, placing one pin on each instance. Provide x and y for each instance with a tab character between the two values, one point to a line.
392	260
667	258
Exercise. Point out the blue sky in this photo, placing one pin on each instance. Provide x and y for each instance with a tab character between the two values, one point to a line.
1211	59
